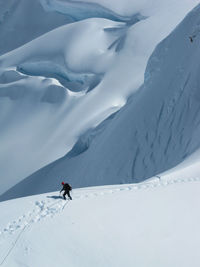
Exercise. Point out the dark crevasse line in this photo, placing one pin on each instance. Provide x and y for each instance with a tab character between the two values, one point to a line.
73	81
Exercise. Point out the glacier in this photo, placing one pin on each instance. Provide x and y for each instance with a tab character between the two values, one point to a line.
156	129
68	80
103	95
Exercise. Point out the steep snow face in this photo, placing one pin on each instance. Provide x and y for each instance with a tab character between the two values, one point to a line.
128	225
38	111
158	128
94	63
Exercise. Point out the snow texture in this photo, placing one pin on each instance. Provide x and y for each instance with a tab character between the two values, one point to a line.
130	148
105	226
60	86
100	93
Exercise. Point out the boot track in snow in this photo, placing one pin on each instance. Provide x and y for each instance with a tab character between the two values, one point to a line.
50	208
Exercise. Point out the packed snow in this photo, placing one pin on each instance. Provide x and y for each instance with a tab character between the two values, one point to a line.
154	223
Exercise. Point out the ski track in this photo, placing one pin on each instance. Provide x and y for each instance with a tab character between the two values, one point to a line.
49	208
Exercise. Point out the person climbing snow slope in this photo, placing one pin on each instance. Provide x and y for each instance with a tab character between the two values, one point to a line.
66	188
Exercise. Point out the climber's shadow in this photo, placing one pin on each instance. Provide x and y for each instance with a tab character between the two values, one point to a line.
55	197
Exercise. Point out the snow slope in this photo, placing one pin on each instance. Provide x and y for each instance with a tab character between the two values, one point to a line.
154	223
79	90
67	81
128	147
18	23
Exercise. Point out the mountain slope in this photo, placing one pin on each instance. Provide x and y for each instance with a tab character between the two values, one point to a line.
58	86
149	223
18	23
157	129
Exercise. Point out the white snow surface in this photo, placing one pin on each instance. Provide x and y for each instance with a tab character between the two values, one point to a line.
154	223
115	91
56	87
157	129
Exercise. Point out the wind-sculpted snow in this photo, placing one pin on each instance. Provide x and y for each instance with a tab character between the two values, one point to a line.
39	72
84	10
10	76
16	86
71	80
72	51
56	89
26	104
157	129
50	15
35	75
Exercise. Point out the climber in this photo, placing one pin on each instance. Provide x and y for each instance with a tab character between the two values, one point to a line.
66	188
192	38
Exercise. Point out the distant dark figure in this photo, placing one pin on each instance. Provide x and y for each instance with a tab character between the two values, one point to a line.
66	188
192	38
